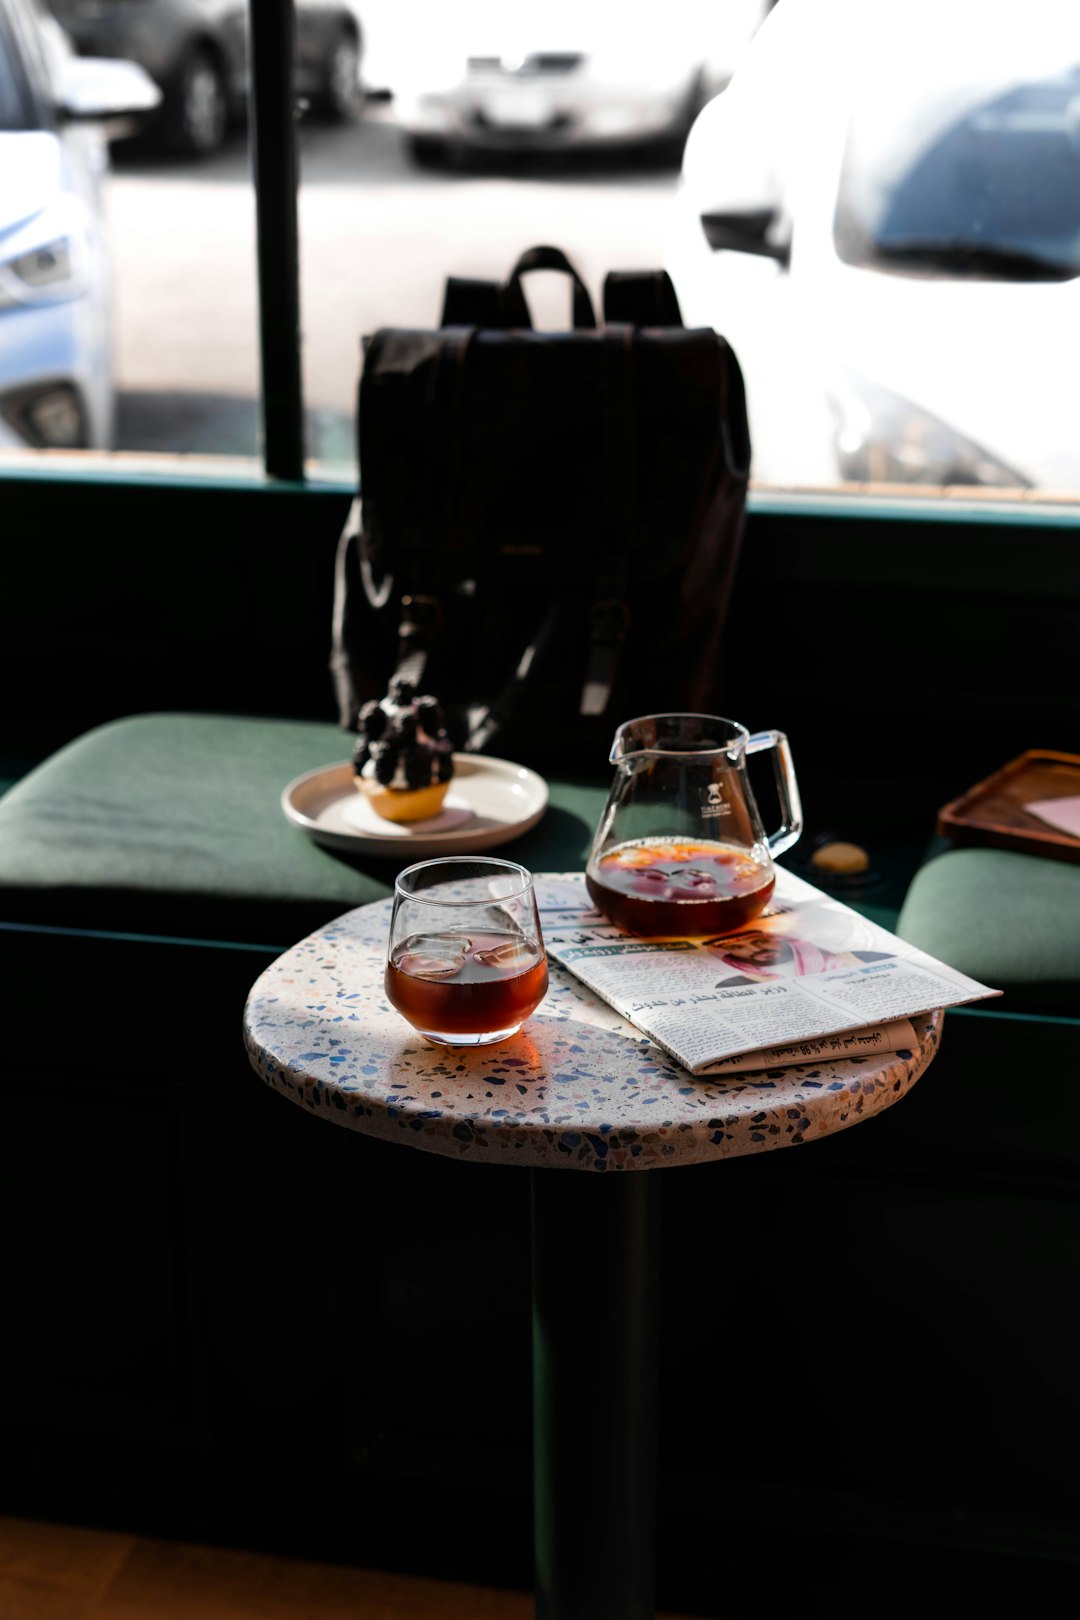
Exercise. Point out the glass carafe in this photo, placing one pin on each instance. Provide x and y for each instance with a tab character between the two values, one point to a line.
680	850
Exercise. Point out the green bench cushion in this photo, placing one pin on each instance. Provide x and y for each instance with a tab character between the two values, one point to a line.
1011	921
171	824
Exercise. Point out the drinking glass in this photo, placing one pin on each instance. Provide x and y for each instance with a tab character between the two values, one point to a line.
465	963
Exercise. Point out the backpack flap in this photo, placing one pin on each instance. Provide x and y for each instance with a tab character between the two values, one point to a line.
551	518
641	298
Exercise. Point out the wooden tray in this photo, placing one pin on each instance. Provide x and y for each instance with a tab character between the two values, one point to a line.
993	811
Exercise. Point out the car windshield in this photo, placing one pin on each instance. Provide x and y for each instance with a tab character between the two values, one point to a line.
981	181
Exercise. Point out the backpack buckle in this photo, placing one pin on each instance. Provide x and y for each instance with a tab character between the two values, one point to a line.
610	621
420	616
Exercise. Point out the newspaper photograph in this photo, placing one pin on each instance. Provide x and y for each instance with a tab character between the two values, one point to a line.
806	972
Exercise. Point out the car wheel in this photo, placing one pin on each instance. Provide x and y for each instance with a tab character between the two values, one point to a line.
341	98
427	151
197	109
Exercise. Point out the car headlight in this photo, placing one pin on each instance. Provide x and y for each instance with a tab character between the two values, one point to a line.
47	266
882	438
40	265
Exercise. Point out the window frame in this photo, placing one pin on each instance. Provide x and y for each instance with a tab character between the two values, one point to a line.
275	176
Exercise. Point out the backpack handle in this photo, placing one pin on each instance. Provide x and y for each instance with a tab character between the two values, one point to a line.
546	258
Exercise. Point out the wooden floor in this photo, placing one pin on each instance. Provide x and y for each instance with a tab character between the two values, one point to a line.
56	1572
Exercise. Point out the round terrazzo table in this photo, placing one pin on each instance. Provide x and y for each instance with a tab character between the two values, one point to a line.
577	1089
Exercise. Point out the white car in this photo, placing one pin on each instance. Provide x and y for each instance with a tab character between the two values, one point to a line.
556	75
882	215
56	383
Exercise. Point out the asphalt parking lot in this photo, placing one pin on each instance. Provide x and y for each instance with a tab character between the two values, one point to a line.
378	237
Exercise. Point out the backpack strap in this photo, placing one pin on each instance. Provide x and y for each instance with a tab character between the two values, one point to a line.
641	298
485	721
502	306
420	625
631	298
546	258
610	623
440	549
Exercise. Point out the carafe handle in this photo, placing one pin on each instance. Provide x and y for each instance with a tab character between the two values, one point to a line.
786	787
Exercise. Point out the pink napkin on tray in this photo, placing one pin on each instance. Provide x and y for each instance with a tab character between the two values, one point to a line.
1064	814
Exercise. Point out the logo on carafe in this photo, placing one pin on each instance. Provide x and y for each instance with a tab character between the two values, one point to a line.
715	804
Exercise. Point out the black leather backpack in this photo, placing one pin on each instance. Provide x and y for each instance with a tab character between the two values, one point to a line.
548	522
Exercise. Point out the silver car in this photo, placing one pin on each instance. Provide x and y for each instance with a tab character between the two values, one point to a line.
558	76
56	388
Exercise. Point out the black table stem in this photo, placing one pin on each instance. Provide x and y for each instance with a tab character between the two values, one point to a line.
595	1336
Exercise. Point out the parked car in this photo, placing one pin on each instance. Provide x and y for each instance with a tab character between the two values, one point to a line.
56	388
196	52
882	214
497	77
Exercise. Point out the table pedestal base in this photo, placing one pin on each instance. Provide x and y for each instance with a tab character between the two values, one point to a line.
595	1321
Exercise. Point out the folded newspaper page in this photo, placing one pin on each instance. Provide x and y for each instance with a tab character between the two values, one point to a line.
897	1035
808	970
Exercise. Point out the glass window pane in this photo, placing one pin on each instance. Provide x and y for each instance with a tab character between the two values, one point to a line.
489	128
127	237
880	210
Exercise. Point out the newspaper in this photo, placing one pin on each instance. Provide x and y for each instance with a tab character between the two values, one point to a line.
897	1035
807	971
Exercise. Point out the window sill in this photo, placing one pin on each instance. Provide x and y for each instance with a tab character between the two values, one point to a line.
898	502
955	502
128	467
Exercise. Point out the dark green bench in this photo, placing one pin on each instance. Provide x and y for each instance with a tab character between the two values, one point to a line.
1012	921
171	824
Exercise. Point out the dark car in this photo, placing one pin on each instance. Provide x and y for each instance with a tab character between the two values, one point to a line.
196	51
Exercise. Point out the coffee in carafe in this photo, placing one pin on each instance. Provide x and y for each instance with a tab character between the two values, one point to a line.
680	850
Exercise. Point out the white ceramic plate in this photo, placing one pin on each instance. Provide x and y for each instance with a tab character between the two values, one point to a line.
490	801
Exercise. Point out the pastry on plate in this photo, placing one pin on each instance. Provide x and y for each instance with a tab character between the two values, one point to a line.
404	759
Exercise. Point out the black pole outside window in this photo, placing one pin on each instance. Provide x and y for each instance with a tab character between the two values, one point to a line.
271	25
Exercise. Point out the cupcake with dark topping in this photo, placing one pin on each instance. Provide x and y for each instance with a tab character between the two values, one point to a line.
403	759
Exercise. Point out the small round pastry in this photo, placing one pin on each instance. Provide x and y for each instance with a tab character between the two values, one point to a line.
841	859
403	760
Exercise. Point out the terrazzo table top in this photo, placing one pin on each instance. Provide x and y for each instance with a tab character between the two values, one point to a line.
578	1087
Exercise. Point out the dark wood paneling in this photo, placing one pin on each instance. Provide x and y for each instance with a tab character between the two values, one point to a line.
123	599
291	1334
